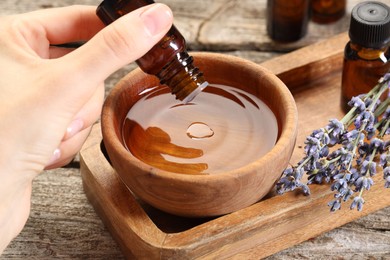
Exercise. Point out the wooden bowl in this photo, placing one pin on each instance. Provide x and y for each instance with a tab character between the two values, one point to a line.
203	195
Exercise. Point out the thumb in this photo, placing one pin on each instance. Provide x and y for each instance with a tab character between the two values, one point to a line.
122	42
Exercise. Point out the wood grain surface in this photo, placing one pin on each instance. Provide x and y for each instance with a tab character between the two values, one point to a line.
63	224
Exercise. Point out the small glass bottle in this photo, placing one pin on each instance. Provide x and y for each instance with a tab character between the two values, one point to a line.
327	11
168	59
287	20
367	54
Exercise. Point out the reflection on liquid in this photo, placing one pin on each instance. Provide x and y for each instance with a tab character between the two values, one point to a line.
158	144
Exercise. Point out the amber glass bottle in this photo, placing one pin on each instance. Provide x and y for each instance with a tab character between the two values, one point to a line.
366	56
168	59
287	20
327	11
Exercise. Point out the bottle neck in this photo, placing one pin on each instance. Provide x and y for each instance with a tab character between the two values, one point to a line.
369	53
183	78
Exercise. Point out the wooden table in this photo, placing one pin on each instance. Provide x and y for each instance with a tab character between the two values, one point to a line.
62	222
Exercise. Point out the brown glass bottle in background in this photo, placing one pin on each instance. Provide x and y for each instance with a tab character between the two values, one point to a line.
366	56
168	59
327	11
287	20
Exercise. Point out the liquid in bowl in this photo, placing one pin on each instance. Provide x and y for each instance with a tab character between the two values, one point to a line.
223	129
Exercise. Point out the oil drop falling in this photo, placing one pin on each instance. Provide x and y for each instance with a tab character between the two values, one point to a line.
199	130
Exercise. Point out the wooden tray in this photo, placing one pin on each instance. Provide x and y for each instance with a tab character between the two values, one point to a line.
273	224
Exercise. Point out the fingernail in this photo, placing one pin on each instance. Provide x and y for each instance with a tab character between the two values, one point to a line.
55	157
156	19
74	128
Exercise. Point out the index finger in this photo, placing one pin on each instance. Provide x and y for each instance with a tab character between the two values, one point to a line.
68	24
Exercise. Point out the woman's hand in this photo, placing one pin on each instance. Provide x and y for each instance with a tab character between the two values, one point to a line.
50	97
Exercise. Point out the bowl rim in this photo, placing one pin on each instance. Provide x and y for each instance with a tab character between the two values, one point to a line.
289	129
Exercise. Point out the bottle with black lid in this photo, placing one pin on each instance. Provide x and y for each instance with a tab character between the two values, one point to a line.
366	56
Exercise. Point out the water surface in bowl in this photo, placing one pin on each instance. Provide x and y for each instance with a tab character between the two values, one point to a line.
223	129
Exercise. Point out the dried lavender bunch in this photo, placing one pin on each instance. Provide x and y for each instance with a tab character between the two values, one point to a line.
356	141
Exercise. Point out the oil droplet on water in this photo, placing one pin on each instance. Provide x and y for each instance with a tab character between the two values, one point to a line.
223	129
199	130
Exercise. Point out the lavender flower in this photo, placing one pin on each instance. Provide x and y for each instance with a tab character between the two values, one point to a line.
351	165
377	143
313	146
339	184
371	131
322	173
363	182
386	176
358	103
335	205
357	202
368	167
291	181
384	162
335	128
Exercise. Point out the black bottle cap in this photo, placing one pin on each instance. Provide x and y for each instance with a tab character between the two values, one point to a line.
370	25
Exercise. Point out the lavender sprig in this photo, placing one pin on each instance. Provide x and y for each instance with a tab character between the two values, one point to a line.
357	140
